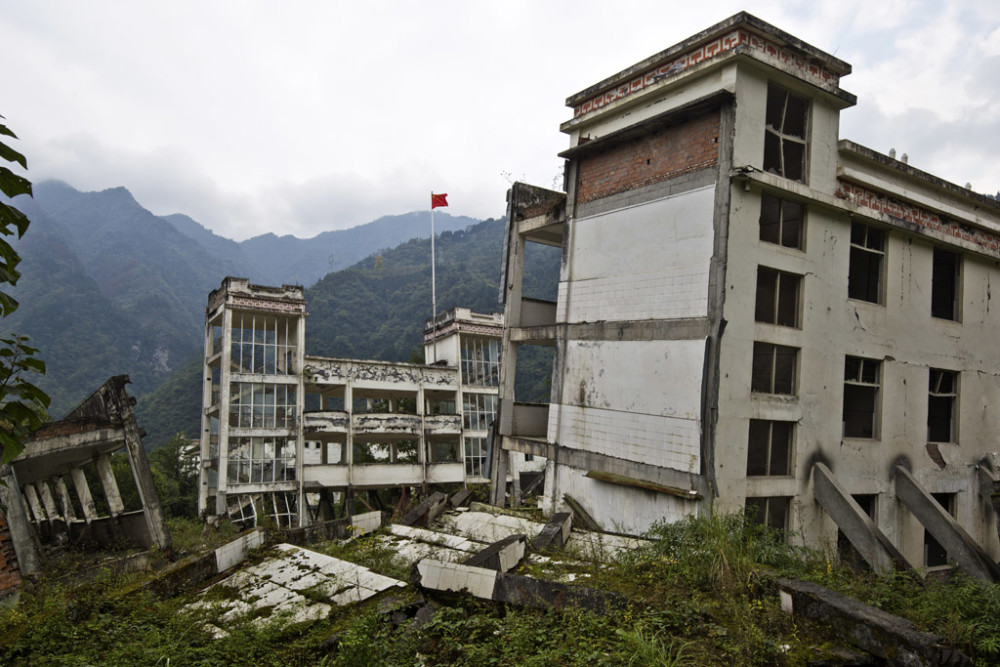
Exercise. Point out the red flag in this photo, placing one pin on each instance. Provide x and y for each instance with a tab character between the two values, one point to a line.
438	200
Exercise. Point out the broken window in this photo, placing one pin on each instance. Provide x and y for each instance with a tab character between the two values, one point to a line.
781	221
769	447
475	457
481	362
261	460
773	369
772	511
785	134
864	280
942	402
935	554
260	405
478	411
445	451
263	344
777	297
861	389
945	285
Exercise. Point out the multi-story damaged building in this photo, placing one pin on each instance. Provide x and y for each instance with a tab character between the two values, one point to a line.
282	429
754	313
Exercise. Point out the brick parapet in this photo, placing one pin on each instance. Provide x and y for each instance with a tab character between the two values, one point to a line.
660	156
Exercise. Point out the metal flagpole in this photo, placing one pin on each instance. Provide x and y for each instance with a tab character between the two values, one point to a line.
434	307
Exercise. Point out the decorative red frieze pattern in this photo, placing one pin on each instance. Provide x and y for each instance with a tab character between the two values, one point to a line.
910	216
666	154
10	572
261	304
806	68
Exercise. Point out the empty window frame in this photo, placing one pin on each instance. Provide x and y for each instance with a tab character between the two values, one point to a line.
481	362
478	411
773	369
769	448
263	344
862	379
785	134
476	452
777	297
261	460
864	279
772	511
781	221
946	285
942	406
935	555
260	405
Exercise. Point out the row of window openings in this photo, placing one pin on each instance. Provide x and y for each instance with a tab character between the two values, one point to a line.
773	511
770	442
781	223
400	451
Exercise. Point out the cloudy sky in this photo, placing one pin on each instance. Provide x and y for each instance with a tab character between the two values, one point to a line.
308	115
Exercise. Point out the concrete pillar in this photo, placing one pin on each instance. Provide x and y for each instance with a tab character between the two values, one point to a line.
225	365
51	508
64	499
34	504
957	542
25	546
870	542
83	493
107	475
206	421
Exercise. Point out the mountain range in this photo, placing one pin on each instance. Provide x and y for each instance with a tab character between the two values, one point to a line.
108	287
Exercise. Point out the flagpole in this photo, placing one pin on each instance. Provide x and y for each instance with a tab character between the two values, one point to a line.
433	286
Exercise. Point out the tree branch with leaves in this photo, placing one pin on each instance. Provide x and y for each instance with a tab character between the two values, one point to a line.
22	404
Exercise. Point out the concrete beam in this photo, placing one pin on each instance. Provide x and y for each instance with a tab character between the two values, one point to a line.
111	494
555	534
891	638
29	561
426	511
989	490
502	556
582	515
859	528
959	544
83	493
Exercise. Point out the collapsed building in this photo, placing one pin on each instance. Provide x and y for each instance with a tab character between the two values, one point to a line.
282	430
46	496
755	313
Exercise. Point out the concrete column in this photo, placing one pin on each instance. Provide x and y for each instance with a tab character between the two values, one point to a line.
423	445
225	365
206	420
51	508
957	542
33	503
83	493
25	547
64	499
114	498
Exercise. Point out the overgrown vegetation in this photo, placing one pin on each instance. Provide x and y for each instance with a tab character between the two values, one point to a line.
701	593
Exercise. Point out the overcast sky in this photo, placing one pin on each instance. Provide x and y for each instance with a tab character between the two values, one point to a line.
305	116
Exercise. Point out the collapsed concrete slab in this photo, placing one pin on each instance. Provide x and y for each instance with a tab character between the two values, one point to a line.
426	511
881	634
502	556
518	590
555	534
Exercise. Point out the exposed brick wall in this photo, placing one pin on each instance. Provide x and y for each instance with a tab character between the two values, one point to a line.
10	573
653	158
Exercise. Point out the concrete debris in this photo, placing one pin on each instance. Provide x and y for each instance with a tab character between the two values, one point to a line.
555	534
426	511
502	556
888	637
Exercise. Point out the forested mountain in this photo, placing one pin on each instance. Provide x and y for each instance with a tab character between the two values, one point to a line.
107	287
376	309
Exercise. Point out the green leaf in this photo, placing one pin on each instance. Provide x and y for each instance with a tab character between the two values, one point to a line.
11	155
12	185
6	130
8	304
11	216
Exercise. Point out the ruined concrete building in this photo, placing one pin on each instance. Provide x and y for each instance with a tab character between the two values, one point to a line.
282	429
47	499
755	313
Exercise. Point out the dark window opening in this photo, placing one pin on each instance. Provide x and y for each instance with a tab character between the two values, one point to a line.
777	297
861	385
935	555
772	512
942	399
781	222
945	285
864	281
773	370
769	448
785	134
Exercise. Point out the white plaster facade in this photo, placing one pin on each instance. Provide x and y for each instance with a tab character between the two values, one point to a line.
673	293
